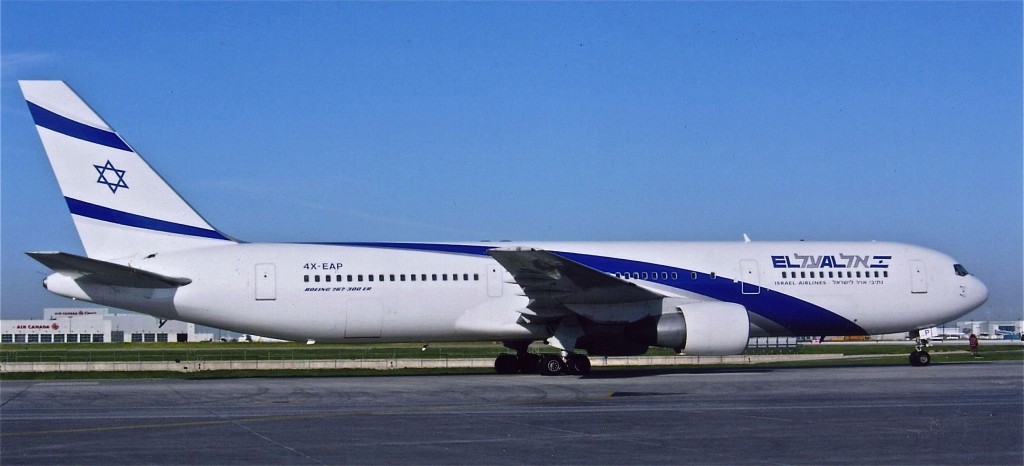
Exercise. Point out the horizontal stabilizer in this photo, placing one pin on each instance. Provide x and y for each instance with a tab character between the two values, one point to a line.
105	273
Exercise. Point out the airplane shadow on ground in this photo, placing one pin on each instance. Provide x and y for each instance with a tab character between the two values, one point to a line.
625	373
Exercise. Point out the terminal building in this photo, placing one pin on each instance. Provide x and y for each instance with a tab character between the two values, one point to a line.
97	325
987	330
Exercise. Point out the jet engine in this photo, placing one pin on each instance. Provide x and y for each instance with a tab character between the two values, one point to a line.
704	328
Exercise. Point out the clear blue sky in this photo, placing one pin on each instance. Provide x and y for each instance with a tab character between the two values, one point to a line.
541	121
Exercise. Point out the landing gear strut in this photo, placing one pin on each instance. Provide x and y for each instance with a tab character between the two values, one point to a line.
920	356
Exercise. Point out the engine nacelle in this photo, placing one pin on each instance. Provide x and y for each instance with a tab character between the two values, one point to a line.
704	328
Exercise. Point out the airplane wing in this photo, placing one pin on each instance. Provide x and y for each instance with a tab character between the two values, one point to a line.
550	280
105	273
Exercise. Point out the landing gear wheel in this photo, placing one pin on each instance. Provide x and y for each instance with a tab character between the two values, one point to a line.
920	358
506	364
577	364
550	365
527	363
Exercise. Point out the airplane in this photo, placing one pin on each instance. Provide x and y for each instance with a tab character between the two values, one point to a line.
147	250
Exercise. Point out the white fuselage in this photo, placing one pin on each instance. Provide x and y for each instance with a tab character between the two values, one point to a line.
451	292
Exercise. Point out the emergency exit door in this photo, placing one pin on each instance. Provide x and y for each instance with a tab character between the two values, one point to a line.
266	282
495	280
918	277
750	278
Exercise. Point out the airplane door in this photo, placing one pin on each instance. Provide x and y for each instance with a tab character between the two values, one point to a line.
364	319
495	283
750	279
918	277
266	282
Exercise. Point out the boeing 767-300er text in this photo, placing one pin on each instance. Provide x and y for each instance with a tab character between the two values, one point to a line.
148	251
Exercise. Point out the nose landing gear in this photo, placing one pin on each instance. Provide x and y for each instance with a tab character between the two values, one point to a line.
920	356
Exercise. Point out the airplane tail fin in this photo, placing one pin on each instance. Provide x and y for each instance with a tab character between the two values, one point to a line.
121	207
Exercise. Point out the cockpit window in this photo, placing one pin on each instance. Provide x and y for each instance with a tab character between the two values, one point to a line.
960	270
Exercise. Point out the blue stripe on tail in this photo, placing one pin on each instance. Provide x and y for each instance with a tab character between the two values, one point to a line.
69	127
107	214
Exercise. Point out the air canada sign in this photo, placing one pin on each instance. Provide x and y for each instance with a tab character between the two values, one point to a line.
53	326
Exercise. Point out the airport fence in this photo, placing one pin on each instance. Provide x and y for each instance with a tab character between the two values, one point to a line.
239	354
773	345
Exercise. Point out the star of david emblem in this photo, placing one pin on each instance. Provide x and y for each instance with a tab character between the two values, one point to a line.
104	171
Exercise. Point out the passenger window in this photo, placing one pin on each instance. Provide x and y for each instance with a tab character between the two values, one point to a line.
316	278
675	276
305	278
714	275
380	277
423	277
327	278
693	275
636	275
783	274
885	274
349	278
369	278
413	277
476	277
803	274
433	277
644	275
402	277
359	277
455	277
664	275
338	278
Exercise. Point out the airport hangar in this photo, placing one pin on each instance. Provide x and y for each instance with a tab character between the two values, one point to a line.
97	325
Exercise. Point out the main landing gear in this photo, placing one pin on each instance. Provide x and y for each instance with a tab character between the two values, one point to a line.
549	364
920	356
572	364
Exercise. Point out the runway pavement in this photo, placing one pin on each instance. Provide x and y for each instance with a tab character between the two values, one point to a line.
942	414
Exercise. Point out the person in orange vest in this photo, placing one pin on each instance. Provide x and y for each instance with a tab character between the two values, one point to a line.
973	341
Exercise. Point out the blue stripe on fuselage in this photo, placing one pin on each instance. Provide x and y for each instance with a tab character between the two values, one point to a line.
799	317
72	128
107	214
447	248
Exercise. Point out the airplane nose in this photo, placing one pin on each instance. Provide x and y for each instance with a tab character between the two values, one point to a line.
980	292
